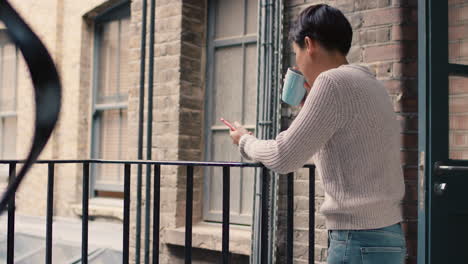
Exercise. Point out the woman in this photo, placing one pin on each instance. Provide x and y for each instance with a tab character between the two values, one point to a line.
348	127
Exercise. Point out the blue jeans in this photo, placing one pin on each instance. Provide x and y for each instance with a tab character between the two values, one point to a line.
371	246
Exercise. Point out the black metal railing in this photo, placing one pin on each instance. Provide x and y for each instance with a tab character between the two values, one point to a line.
47	89
127	165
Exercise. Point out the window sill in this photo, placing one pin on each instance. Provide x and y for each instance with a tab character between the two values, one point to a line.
101	207
209	236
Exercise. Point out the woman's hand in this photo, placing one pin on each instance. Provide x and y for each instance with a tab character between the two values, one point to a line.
238	133
307	87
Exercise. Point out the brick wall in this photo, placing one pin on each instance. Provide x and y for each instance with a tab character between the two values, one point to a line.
177	112
385	39
67	32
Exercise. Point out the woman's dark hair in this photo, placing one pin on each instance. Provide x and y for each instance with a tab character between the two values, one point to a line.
325	24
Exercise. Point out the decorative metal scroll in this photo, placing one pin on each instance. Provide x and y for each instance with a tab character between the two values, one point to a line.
47	89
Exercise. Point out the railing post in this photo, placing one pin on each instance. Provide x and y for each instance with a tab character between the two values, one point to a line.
156	212
50	212
290	219
138	214
264	216
188	216
126	222
84	223
147	212
11	219
311	215
226	212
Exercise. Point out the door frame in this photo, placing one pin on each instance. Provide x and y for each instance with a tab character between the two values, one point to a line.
434	70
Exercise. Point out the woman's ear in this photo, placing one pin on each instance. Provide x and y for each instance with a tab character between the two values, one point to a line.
310	45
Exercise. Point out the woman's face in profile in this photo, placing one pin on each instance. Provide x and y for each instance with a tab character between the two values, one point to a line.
301	56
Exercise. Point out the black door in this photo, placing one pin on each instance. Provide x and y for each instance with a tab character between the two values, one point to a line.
443	136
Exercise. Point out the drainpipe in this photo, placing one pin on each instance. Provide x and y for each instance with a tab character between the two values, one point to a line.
140	130
149	132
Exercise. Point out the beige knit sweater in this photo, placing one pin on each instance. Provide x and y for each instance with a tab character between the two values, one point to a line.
349	129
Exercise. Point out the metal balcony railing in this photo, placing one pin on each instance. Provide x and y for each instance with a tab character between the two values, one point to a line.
47	90
156	175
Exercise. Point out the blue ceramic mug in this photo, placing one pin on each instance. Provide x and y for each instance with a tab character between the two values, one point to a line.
293	87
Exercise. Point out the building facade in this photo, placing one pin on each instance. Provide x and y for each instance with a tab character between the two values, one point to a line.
205	67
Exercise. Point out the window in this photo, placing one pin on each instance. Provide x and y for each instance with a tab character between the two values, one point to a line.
231	94
110	93
8	87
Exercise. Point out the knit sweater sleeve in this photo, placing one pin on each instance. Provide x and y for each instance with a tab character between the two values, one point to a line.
318	120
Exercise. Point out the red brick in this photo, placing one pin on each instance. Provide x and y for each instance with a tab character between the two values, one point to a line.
404	89
456	154
411	192
400	32
458	105
458	140
458	122
451	139
394	86
458	32
452	123
454	51
383	70
411	174
408	122
464	48
453	15
383	16
369	36
412	248
405	69
409	140
410	228
458	85
410	210
409	105
409	157
345	6
383	52
453	2
355	54
356	20
409	3
370	4
463	13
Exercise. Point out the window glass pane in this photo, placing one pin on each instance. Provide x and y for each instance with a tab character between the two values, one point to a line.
458	115
113	61
250	88
229	18
112	145
252	16
124	57
113	83
234	97
227	87
458	31
247	181
8	78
